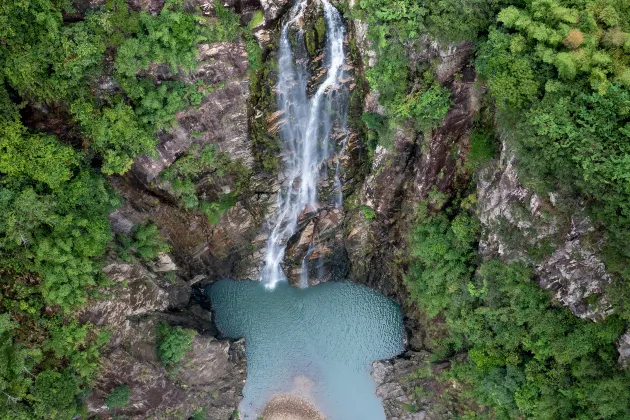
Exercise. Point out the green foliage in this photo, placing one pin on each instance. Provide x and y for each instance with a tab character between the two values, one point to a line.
170	38
427	108
41	158
482	149
511	80
408	90
156	106
56	235
254	54
441	251
54	395
173	343
367	212
227	27
527	357
53	231
77	344
40	57
116	133
380	131
44	59
578	142
118	397
66	363
185	173
201	414
147	242
257	18
214	210
532	359
559	70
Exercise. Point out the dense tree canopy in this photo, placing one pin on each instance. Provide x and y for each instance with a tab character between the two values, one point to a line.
95	70
557	72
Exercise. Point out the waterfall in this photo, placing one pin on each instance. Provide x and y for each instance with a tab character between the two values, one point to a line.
306	130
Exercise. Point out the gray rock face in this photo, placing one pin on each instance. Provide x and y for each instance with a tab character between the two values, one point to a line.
396	383
136	293
211	377
274	8
401	177
221	118
623	346
516	221
212	373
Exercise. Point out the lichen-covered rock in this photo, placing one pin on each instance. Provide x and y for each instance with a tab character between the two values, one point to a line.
397	381
274	8
211	377
135	293
519	225
623	347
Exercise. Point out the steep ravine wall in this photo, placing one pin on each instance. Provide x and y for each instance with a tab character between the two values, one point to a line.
240	121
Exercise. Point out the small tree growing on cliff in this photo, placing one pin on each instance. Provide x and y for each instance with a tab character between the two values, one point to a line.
173	343
118	397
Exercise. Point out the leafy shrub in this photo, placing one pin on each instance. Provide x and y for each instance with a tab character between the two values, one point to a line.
171	38
116	133
368	212
257	18
118	397
173	343
380	131
482	149
148	243
214	210
441	256
55	395
427	108
184	174
41	158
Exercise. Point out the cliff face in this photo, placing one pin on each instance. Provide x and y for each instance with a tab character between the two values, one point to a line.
239	119
517	222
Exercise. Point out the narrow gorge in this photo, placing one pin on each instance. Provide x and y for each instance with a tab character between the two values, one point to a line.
314	209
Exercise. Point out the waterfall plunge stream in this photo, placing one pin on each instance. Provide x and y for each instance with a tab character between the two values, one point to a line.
305	134
315	344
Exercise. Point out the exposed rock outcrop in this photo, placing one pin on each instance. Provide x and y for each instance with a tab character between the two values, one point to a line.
221	120
397	383
519	225
274	8
400	178
212	375
211	378
623	347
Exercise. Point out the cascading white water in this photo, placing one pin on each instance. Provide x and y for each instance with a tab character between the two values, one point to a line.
306	131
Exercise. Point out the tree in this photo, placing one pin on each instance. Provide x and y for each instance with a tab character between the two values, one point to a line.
118	397
173	343
55	395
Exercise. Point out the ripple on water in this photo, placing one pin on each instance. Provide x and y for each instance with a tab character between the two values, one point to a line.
316	344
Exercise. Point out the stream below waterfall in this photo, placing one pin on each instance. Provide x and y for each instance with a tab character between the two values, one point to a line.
316	344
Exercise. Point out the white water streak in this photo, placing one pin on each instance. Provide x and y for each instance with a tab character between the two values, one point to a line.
305	134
